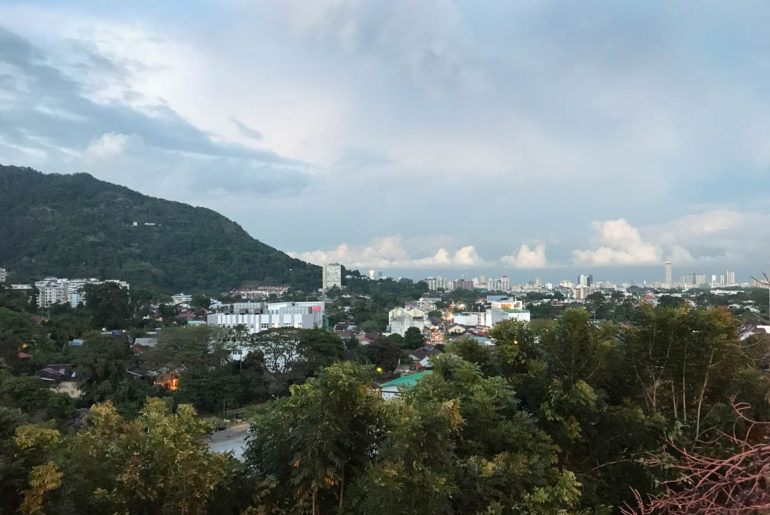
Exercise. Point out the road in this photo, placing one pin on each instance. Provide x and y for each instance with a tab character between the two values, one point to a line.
231	439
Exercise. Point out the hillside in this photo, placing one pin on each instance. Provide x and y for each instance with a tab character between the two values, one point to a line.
78	226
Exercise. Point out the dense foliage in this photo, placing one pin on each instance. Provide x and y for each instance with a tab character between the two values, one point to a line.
78	226
562	416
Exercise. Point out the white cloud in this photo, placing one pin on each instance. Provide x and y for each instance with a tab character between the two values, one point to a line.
696	226
620	244
390	252
112	144
527	257
680	255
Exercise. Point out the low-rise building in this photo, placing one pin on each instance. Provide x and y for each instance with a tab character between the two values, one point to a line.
401	319
393	388
300	315
181	298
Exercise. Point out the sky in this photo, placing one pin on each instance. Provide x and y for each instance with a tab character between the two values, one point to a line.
431	137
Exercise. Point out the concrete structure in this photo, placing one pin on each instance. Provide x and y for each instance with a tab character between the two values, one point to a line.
426	304
401	319
501	284
181	298
730	278
497	315
52	290
507	303
300	315
332	276
436	283
668	273
470	319
3	275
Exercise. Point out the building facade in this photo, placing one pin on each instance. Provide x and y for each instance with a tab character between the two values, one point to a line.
257	317
52	290
401	319
332	276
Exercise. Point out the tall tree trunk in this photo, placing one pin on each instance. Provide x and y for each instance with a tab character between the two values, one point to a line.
673	401
342	486
700	396
684	391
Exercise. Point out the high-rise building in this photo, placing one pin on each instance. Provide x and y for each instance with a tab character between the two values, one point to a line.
332	276
730	278
668	273
3	275
582	280
434	283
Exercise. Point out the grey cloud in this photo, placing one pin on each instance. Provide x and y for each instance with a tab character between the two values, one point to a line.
51	111
248	131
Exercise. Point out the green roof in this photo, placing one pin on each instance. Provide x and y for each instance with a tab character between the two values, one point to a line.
409	380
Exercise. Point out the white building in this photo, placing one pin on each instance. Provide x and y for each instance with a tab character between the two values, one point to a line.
300	315
401	319
426	304
501	284
496	315
435	283
332	276
470	319
52	290
3	275
181	298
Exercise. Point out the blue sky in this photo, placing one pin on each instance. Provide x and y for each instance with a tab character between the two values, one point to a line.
432	137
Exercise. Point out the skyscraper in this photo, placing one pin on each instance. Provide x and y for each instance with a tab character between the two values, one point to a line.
332	276
668	273
730	278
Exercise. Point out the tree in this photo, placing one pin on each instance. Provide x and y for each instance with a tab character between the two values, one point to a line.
157	463
201	301
100	365
384	353
472	351
413	338
684	361
397	339
502	460
109	304
311	446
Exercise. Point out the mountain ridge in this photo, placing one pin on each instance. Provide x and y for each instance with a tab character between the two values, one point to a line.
74	225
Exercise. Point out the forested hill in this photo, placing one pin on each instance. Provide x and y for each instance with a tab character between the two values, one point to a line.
78	226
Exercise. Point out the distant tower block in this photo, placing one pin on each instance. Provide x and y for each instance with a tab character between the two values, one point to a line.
668	273
332	275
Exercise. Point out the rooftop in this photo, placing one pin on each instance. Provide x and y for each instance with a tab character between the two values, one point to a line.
409	380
